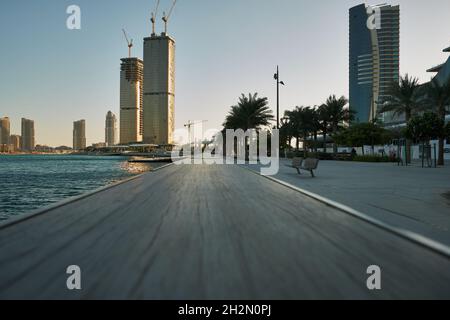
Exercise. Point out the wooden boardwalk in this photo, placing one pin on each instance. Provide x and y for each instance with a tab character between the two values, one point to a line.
210	232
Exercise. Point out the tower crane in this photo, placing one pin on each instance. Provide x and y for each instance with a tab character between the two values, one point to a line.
154	16
166	18
190	124
130	43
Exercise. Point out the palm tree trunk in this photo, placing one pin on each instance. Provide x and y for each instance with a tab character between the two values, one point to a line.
441	152
305	150
315	141
441	139
335	147
408	141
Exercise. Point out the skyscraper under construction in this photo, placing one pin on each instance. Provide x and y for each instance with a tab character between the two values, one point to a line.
159	89
159	85
131	100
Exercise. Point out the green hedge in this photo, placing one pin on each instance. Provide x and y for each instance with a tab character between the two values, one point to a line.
373	159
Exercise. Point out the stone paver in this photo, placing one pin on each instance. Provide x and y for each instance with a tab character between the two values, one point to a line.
412	198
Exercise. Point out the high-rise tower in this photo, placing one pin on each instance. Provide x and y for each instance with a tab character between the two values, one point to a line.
79	135
28	138
5	130
131	100
374	59
159	89
110	129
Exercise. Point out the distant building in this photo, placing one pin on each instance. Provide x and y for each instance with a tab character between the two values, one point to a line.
5	130
15	142
79	135
99	145
110	129
159	89
374	59
44	149
28	135
63	149
131	100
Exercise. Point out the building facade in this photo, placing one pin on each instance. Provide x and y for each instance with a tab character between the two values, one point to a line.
442	71
159	89
374	59
5	130
79	135
110	129
15	142
28	135
131	100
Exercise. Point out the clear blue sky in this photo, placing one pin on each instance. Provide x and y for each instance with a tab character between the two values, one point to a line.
55	76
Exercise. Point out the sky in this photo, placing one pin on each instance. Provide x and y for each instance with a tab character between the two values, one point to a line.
55	76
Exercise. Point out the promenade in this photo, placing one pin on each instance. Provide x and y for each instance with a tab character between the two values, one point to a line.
210	232
412	198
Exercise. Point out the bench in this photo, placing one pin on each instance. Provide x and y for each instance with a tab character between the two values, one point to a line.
309	165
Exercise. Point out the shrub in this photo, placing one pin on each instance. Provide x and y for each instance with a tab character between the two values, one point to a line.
371	158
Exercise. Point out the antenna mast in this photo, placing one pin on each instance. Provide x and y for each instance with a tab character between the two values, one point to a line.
166	18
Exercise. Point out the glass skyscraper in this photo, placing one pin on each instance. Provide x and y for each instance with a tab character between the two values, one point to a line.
374	59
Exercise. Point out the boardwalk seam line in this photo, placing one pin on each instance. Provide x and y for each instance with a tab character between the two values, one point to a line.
27	216
416	238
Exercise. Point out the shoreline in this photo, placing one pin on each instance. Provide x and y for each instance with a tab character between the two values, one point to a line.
34	213
50	195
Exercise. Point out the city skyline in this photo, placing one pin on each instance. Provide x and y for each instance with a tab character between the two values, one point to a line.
206	88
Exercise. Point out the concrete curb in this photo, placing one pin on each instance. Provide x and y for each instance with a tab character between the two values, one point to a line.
38	212
416	238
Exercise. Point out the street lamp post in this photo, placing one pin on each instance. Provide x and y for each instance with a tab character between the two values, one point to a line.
277	78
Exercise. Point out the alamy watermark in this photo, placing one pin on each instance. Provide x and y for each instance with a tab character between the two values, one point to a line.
229	147
73	22
374	20
374	280
74	280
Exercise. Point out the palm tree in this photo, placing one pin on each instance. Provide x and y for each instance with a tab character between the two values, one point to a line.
337	114
286	130
294	125
303	124
315	126
324	124
438	98
308	125
251	112
404	98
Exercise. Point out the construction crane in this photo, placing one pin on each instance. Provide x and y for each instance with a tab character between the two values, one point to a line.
166	18
130	43
154	16
190	124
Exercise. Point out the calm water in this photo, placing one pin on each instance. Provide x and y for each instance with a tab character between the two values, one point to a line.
34	181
